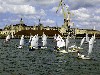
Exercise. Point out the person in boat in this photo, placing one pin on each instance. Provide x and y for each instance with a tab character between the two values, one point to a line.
20	46
57	48
80	55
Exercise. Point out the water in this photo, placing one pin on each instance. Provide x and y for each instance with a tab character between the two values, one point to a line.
15	61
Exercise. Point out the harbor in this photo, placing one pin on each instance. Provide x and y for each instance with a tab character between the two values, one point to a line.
49	38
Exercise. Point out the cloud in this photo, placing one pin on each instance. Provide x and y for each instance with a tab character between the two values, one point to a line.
76	4
48	21
32	2
42	12
53	9
17	9
44	2
81	14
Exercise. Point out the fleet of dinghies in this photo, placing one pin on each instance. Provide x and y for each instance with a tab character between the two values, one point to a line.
62	45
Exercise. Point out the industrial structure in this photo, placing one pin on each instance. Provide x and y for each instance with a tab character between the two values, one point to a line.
64	30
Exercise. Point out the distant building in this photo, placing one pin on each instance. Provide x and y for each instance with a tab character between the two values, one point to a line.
63	29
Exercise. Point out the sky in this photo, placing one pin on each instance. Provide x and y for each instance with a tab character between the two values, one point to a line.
85	14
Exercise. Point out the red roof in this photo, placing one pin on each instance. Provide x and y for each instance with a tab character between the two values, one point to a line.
39	32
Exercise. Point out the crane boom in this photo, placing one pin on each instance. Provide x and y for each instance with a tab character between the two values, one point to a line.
62	4
59	6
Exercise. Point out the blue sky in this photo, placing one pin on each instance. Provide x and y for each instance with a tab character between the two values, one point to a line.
86	12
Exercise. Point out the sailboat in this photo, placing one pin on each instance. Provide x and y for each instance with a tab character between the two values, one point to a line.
21	42
44	40
91	41
55	37
7	38
66	45
12	35
94	34
30	39
87	38
60	44
73	48
82	41
34	43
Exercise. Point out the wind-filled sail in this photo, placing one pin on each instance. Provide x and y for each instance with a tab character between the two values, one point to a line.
8	38
87	38
37	38
82	41
90	45
34	40
55	37
44	39
12	35
30	38
60	41
22	40
67	41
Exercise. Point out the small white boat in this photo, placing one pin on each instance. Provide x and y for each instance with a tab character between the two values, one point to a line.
34	43
73	48
30	39
21	42
63	51
7	38
87	39
89	51
60	44
82	41
12	35
44	41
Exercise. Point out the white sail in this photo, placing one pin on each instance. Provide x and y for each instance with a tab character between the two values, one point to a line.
12	35
58	38
60	43
37	38
44	39
94	33
22	40
87	38
30	38
94	36
8	38
33	42
90	45
55	37
82	41
67	41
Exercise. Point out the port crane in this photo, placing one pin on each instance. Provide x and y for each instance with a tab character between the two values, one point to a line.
66	14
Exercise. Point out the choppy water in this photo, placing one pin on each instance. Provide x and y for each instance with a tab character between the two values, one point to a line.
15	61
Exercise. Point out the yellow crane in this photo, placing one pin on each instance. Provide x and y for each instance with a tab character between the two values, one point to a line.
62	5
66	14
65	11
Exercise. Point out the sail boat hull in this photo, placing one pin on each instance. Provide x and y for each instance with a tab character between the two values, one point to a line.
84	58
43	47
20	47
73	49
32	48
60	50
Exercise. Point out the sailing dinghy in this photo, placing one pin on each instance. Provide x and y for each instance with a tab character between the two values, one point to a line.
60	44
44	41
91	42
21	42
34	43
